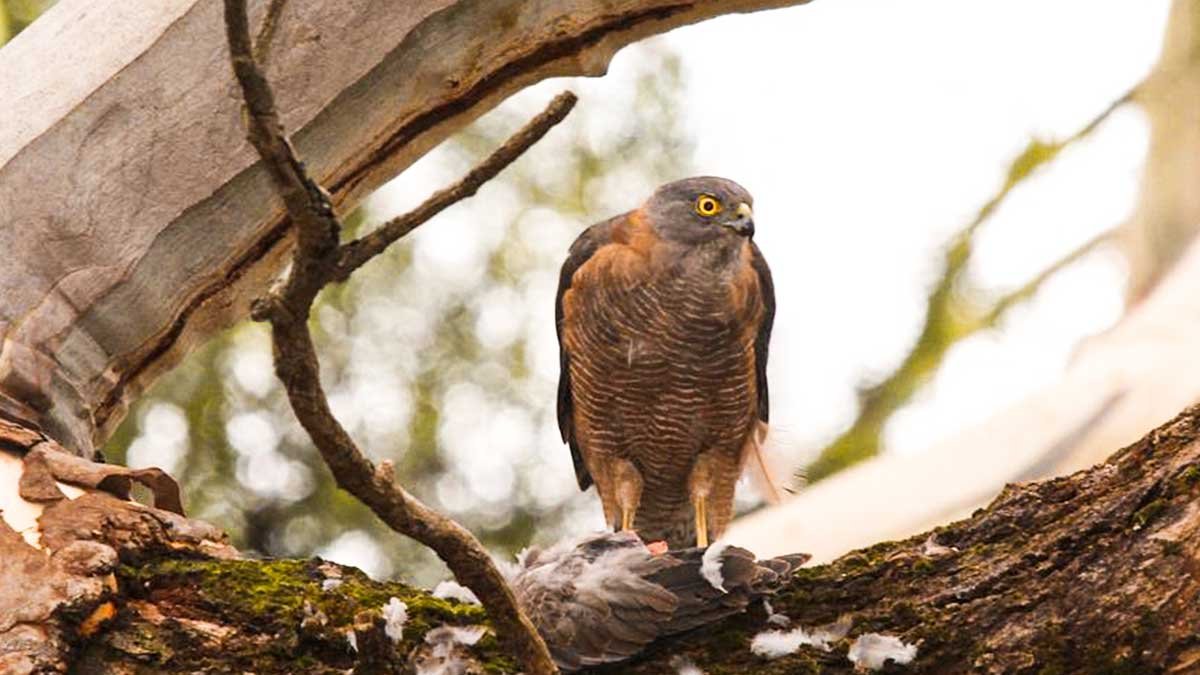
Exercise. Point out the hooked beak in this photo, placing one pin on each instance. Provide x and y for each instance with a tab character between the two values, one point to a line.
743	221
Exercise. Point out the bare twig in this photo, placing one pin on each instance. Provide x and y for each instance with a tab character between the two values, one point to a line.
266	32
314	264
949	315
356	253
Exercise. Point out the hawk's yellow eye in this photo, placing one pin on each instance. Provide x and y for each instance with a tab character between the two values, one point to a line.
707	205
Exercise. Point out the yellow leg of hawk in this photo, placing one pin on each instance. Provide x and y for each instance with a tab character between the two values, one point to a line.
628	491
701	521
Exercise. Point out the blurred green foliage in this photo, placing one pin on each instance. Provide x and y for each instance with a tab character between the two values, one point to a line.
440	355
15	15
954	310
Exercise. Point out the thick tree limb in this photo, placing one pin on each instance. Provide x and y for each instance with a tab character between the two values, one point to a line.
313	264
1091	573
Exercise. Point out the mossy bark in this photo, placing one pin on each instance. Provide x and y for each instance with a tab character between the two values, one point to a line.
1095	572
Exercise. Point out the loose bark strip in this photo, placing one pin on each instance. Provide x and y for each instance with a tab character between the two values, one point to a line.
296	361
266	32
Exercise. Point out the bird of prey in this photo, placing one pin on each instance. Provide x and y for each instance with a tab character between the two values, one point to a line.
664	319
603	598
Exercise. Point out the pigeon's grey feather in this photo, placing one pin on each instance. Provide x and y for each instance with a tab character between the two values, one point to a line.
604	598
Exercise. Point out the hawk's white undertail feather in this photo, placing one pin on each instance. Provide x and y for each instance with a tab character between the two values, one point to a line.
762	466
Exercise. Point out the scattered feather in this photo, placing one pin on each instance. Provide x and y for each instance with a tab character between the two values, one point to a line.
710	566
932	549
773	618
773	644
872	651
330	584
444	651
684	666
395	615
452	590
523	556
462	635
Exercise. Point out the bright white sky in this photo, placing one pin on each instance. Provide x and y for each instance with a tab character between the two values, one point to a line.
869	131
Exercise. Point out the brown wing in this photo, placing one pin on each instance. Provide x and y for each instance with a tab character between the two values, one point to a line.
581	251
762	342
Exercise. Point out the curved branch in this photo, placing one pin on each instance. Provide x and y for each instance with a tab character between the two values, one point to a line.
313	264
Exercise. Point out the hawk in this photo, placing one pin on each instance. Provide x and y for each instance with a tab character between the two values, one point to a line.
664	321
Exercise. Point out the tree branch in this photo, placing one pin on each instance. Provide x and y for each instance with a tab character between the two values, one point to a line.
296	364
266	32
951	315
356	253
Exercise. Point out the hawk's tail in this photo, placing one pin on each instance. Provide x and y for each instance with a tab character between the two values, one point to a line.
757	465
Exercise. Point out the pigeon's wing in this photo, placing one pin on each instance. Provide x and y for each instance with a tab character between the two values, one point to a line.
594	605
743	579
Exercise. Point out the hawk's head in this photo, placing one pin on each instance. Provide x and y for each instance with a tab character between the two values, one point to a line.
696	210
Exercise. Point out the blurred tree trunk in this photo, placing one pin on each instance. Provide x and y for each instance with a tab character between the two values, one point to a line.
1167	216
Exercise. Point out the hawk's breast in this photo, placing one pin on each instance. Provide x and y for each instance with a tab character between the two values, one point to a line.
662	364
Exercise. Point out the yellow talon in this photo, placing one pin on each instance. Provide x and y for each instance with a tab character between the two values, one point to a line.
701	523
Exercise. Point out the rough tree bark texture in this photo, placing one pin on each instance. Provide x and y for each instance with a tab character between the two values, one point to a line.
1095	573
